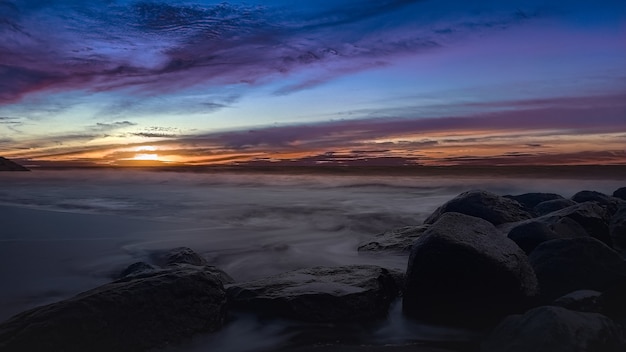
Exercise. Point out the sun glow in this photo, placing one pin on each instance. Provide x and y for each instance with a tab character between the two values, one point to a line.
146	157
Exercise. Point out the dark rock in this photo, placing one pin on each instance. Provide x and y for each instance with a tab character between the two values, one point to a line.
591	216
396	240
549	206
8	165
530	200
609	203
531	233
184	256
620	193
131	314
320	294
581	301
485	205
567	265
462	271
180	255
138	268
555	329
617	228
612	302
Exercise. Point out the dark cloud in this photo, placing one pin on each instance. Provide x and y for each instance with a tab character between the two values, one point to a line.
513	158
111	126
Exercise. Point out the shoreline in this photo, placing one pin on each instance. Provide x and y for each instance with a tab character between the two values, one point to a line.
575	172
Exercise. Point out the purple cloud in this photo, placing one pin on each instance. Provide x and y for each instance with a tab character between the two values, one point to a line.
154	47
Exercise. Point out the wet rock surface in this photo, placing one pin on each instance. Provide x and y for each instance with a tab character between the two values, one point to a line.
397	240
131	314
462	271
321	294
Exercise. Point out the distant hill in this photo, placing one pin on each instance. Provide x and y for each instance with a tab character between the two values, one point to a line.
8	165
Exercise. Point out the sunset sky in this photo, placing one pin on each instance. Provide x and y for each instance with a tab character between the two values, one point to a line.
439	82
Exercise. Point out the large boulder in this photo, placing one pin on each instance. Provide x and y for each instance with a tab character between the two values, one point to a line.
135	313
555	329
592	217
617	228
567	265
531	233
609	203
462	271
397	240
620	193
482	204
581	301
321	294
530	200
549	206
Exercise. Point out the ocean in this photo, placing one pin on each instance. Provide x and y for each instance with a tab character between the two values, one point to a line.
63	232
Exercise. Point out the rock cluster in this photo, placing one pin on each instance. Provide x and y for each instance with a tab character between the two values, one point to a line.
532	272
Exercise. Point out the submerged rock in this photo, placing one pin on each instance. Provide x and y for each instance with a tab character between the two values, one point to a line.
567	265
397	240
462	271
320	294
131	314
482	204
555	329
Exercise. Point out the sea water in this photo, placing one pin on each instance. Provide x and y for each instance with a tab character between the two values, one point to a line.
64	232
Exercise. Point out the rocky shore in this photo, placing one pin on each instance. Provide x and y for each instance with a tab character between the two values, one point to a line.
531	272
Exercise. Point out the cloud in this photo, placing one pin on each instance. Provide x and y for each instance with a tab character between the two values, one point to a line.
562	115
111	126
152	47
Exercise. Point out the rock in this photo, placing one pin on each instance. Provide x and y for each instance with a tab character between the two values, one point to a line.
612	302
581	301
549	206
617	228
320	294
610	203
8	165
620	193
138	268
555	329
567	265
180	255
593	218
531	233
530	200
183	256
482	204
462	271
131	314
397	240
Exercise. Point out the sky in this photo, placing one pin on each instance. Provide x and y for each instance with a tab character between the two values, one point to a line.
341	82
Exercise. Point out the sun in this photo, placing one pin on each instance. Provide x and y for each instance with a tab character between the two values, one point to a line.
146	155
